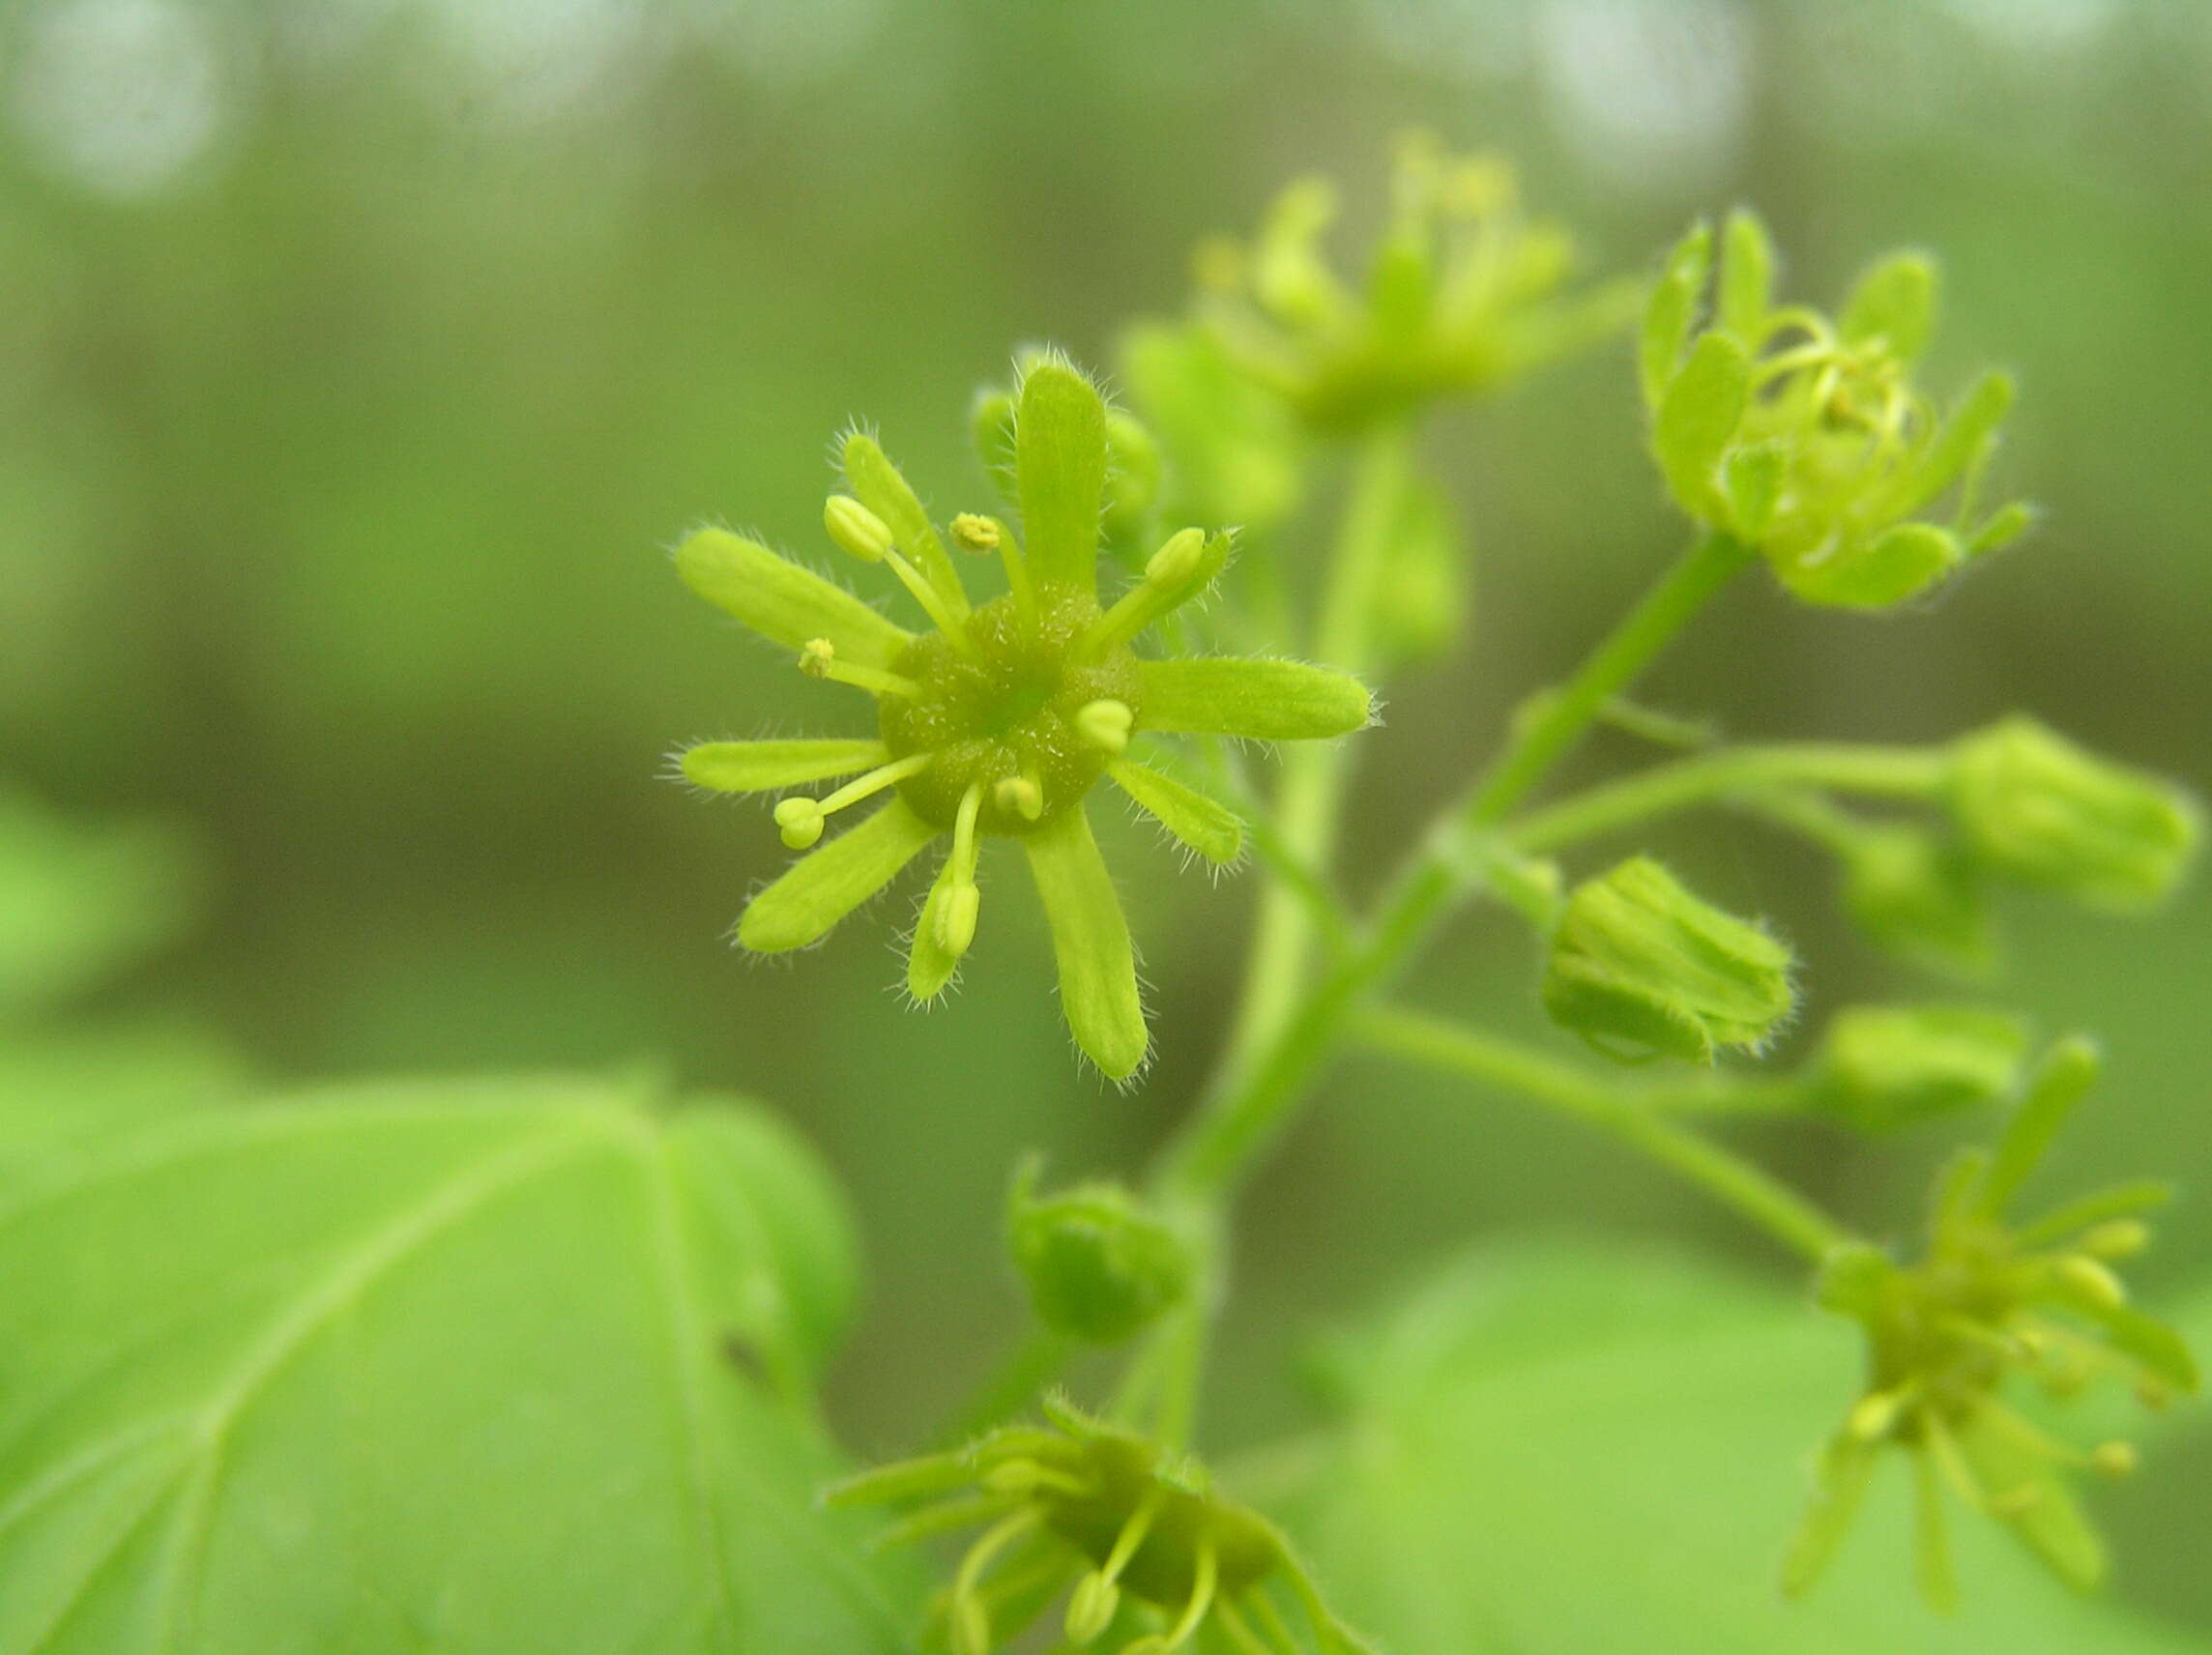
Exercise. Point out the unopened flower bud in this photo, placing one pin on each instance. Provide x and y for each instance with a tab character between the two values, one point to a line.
2038	808
1916	895
856	529
1639	966
1882	1067
1098	1266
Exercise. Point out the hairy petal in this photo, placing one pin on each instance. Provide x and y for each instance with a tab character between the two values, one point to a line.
1210	828
761	767
1060	471
1091	939
828	883
1262	701
782	602
882	489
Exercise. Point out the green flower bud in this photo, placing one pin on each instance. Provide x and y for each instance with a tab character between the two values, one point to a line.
1881	1067
1098	1266
2039	809
1640	967
1918	896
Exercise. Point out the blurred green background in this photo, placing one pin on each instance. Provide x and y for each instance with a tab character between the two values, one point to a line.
359	359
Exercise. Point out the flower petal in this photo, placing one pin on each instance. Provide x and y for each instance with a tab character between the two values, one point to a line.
1213	830
1060	471
884	490
1839	1484
2034	1498
761	767
1091	938
1263	701
782	602
828	883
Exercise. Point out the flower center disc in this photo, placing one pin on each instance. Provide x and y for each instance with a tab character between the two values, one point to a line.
1008	712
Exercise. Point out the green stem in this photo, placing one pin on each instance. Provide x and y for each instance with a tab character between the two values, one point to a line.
1726	1176
1012	1387
1255	1099
1889	773
1310	794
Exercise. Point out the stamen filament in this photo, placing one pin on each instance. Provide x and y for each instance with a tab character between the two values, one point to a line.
1201	1596
987	534
819	659
1132	1536
1240	1631
941	612
971	1620
801	819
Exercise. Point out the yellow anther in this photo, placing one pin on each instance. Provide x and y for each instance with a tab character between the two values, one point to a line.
2121	1238
818	657
2090	1279
1090	1607
2153	1392
1177	561
976	535
1105	725
800	822
2115	1459
1875	1416
856	529
1019	796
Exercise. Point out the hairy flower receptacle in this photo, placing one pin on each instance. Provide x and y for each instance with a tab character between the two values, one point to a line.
1010	712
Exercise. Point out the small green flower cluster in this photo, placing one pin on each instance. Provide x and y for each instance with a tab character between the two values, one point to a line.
1987	1301
1804	435
1145	1545
999	721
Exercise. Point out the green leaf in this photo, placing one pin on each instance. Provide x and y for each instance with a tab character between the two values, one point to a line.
1698	418
63	1094
1060	469
1090	940
1747	277
883	489
1555	1451
478	1367
1260	701
782	602
761	767
1895	300
80	901
1671	310
829	882
1213	830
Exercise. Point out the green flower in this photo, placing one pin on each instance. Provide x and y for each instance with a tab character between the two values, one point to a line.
1990	1300
1152	1552
999	721
1641	968
1462	294
1804	435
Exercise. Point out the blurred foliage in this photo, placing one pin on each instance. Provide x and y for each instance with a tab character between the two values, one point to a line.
358	359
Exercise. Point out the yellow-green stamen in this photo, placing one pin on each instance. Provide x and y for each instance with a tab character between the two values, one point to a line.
801	819
819	659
